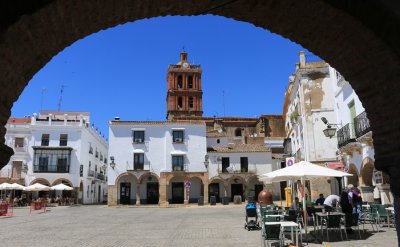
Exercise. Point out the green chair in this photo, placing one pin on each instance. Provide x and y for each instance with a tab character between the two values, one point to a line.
334	222
383	215
270	233
370	217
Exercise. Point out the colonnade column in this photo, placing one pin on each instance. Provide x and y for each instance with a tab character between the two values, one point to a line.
137	194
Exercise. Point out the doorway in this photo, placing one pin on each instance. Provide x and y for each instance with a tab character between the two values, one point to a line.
125	193
177	193
257	189
152	193
213	190
236	190
99	195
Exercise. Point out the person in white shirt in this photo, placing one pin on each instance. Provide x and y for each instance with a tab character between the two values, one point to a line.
330	202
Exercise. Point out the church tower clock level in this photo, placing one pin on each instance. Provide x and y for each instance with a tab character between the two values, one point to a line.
184	94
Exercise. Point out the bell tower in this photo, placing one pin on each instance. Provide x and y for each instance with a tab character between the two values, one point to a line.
184	94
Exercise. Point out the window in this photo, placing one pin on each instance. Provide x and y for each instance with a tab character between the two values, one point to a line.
190	82
63	140
138	136
45	139
52	161
190	102
138	161
96	154
238	132
225	164
218	141
180	102
244	164
180	81
177	136
19	142
16	169
90	149
177	163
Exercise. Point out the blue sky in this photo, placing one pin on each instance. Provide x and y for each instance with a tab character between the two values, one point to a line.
121	71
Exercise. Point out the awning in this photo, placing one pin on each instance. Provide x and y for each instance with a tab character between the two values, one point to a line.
338	166
178	152
138	151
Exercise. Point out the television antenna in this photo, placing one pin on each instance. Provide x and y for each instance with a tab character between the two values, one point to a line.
44	90
61	97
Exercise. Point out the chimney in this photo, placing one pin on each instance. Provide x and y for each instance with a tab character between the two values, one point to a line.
302	59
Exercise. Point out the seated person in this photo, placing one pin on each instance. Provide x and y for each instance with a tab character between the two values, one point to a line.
308	201
295	205
330	202
320	200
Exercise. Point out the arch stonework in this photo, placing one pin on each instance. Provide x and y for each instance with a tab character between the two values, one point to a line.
354	180
148	174
32	33
366	172
60	180
41	180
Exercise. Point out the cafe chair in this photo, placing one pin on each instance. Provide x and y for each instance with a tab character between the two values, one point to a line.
271	233
334	222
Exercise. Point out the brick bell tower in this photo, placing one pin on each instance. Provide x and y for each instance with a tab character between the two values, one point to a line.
184	94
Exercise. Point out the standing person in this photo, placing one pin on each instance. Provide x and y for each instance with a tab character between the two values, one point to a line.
320	200
346	209
356	201
296	204
330	202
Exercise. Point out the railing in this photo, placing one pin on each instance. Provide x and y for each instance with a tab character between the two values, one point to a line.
362	125
140	167
345	136
179	168
51	169
100	176
90	173
287	146
251	169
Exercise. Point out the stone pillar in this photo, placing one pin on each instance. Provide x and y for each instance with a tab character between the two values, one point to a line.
367	193
137	194
112	199
384	191
205	187
163	190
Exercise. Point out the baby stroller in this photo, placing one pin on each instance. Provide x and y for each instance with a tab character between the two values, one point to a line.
251	212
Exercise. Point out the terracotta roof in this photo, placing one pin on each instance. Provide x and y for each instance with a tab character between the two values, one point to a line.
240	148
19	120
277	156
119	122
215	133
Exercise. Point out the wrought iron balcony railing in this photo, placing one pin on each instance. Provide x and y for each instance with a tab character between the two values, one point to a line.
345	135
362	125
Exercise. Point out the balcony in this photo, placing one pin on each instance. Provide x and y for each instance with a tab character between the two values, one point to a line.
90	173
287	147
51	168
99	176
179	168
140	167
345	136
362	125
250	169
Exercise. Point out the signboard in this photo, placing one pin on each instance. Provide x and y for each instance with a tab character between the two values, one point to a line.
289	161
188	184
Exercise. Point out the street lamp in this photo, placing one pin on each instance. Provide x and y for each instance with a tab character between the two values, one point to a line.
206	162
112	164
329	131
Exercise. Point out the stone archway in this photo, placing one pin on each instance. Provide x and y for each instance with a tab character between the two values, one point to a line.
367	171
353	179
41	180
357	47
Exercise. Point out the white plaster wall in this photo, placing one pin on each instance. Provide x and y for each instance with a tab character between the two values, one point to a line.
262	161
158	147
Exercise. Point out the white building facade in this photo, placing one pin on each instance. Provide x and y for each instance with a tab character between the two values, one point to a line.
157	162
234	169
308	99
355	143
59	147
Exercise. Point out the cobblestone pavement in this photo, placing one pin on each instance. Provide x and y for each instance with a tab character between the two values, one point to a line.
146	226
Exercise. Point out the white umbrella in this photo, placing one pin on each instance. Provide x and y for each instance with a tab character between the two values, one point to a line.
15	186
37	187
61	187
5	186
302	170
